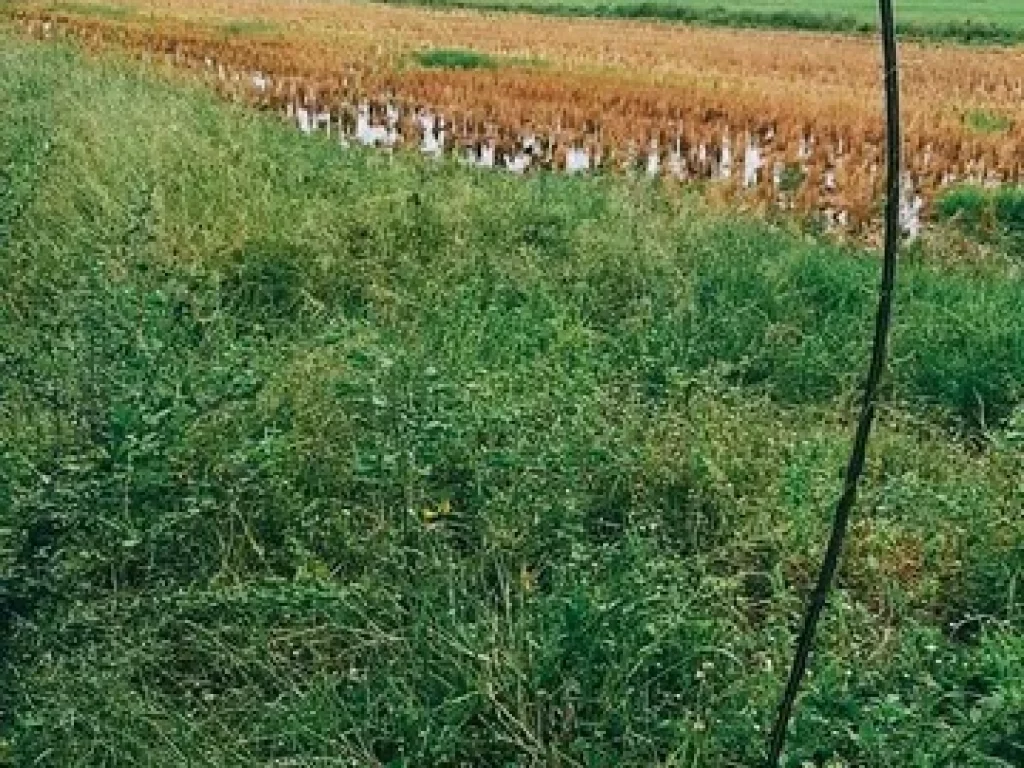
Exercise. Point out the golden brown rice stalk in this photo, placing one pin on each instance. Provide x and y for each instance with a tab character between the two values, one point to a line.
613	85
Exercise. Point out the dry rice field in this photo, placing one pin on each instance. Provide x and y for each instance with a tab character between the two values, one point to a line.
780	119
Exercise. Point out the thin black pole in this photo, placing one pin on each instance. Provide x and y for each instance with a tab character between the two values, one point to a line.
883	319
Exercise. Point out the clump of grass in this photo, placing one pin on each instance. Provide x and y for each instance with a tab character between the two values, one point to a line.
993	214
454	58
987	121
94	9
526	62
248	27
970	206
792	177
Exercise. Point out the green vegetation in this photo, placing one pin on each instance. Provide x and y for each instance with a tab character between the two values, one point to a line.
989	22
454	58
249	28
460	58
323	458
994	215
987	121
94	9
792	177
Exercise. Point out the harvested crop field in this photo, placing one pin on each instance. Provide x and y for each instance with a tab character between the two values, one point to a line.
782	119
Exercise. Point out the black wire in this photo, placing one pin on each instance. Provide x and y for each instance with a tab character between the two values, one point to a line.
855	467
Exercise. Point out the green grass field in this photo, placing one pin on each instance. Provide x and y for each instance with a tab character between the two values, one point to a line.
319	458
979	21
1004	12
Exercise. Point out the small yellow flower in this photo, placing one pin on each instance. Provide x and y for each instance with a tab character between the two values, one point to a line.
433	516
526	579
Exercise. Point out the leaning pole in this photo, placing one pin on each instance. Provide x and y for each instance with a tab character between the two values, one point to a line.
855	467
